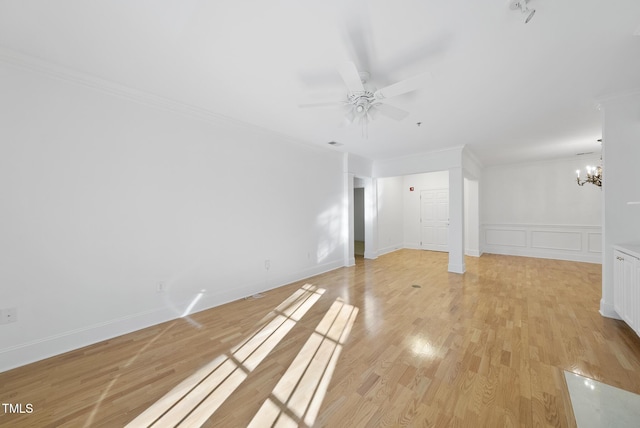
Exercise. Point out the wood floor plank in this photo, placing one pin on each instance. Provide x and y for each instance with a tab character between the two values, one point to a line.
483	349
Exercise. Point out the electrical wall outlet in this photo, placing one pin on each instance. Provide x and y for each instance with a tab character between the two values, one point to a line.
161	287
8	315
267	264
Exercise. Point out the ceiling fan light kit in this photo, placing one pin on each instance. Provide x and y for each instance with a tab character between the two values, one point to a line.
522	6
364	102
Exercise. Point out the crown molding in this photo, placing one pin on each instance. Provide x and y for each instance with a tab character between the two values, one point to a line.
602	101
472	155
56	71
50	69
595	156
456	150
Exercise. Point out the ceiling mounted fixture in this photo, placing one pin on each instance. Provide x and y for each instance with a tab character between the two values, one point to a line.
364	101
522	5
594	174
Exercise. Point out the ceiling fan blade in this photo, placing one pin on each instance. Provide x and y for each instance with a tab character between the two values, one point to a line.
404	86
412	54
321	104
351	77
357	33
390	111
350	116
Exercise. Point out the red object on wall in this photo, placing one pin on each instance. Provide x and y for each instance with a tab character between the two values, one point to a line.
411	189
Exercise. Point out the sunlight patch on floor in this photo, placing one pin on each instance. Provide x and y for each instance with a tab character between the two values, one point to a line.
194	400
299	393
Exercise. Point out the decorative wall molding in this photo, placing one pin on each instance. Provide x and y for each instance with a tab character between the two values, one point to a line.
471	164
602	101
435	161
508	237
556	240
548	241
46	68
594	242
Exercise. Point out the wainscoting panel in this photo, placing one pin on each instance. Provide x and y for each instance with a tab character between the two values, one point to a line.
506	237
594	242
547	241
567	241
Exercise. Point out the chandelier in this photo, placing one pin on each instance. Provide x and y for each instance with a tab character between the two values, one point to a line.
594	174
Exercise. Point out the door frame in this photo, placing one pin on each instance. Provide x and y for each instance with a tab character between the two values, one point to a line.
370	218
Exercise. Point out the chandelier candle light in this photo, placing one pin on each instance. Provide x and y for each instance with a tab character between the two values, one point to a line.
594	176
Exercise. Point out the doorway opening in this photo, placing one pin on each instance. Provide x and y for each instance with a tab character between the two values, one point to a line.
358	221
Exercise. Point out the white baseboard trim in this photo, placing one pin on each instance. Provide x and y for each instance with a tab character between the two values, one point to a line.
472	253
412	246
607	311
457	268
390	249
597	259
40	349
279	281
371	255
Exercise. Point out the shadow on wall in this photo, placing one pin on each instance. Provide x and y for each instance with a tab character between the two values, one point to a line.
332	235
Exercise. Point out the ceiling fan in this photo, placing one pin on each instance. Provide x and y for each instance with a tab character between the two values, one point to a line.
363	101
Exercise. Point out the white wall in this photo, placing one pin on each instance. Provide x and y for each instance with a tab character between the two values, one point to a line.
441	160
426	181
471	218
537	209
472	169
104	198
390	214
358	166
621	185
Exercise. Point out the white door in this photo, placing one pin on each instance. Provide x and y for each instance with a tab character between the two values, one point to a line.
434	219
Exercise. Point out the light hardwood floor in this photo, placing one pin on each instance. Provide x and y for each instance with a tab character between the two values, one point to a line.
483	349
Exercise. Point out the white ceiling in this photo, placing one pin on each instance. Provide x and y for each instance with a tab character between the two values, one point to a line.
511	91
